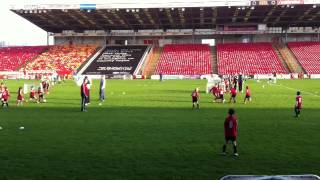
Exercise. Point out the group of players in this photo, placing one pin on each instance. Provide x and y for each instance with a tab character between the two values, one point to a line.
228	85
34	96
231	121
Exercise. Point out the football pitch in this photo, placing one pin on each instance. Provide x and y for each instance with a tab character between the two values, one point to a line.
147	130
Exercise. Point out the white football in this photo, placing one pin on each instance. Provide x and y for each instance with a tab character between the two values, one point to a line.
21	128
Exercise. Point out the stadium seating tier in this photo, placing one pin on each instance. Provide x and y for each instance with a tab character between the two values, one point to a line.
308	54
250	59
184	59
62	59
12	58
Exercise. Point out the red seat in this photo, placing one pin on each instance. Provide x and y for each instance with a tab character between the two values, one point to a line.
64	59
250	59
308	54
12	58
185	59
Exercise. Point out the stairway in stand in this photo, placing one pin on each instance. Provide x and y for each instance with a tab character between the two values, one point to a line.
288	58
152	62
214	61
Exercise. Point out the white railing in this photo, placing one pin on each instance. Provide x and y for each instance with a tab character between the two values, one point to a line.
144	57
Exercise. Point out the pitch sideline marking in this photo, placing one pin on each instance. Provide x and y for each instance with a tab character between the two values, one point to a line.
287	87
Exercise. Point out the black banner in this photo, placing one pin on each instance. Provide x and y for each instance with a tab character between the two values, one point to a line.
116	60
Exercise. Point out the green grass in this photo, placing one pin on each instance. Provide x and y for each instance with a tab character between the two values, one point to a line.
152	133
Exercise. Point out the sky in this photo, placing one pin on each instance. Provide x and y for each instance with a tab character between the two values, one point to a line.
17	31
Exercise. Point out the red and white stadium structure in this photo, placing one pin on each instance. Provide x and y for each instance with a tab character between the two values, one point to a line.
175	38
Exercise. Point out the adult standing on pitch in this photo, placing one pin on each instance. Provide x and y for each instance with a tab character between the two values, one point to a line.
240	81
298	106
160	76
89	84
230	132
102	88
84	94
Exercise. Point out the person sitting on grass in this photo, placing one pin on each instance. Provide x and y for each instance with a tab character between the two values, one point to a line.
230	132
195	98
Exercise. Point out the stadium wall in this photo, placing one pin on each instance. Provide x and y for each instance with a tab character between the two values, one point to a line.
161	41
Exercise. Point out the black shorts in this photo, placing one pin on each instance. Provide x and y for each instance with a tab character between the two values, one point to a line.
233	96
248	97
221	96
194	100
231	138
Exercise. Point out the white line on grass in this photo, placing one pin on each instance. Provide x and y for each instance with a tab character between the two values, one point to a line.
306	92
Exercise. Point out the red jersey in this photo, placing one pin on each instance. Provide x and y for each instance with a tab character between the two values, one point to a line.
44	84
32	94
213	90
5	95
234	91
299	102
195	94
231	126
84	89
40	93
20	95
248	93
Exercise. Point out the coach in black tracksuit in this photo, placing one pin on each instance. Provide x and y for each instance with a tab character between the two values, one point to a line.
240	81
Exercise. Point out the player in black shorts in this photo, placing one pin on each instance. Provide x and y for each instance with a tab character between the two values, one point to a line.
195	98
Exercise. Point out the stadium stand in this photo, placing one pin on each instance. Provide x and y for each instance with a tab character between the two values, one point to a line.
12	58
308	54
251	58
63	59
151	62
185	59
289	58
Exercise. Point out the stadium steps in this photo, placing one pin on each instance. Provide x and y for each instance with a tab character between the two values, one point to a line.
152	62
288	58
214	60
282	59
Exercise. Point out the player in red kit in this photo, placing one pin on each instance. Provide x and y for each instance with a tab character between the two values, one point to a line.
40	95
32	95
248	95
5	97
20	96
233	94
195	98
214	91
298	105
221	94
231	132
